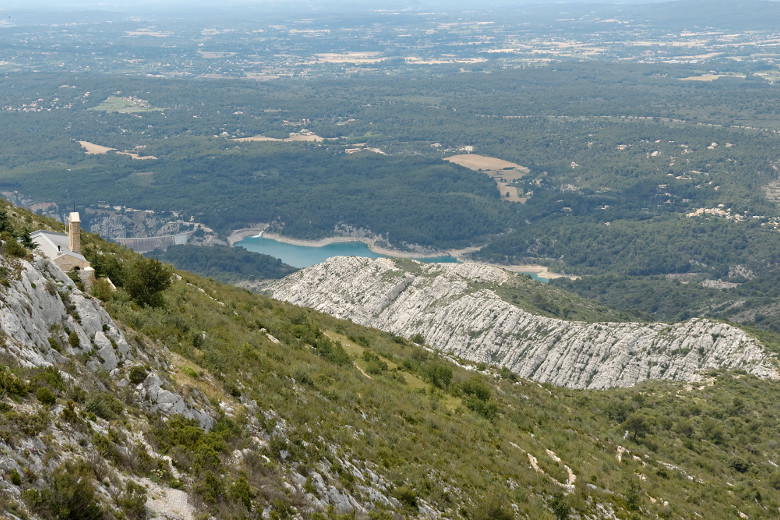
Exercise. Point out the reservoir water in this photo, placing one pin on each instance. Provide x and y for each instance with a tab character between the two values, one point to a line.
305	256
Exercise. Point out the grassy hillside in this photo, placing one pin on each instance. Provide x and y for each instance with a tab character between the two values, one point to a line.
312	408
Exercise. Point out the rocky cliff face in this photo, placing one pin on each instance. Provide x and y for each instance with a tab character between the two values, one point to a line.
45	320
457	308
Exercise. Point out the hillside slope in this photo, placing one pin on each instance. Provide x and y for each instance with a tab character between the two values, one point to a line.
295	414
467	310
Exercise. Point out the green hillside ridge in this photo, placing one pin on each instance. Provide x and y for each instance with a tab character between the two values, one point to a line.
309	407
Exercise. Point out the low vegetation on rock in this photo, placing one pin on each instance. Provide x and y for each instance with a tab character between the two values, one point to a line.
221	403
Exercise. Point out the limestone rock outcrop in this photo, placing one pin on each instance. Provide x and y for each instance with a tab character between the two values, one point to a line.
45	319
457	310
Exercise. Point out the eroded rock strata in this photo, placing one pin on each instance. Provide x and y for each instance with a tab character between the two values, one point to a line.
457	310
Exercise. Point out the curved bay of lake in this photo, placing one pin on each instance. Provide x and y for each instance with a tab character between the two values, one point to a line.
305	256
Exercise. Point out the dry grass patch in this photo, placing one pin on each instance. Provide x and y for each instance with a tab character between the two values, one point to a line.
298	137
96	149
704	77
501	171
189	375
413	382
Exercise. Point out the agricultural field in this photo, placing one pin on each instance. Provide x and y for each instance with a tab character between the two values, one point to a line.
503	172
125	105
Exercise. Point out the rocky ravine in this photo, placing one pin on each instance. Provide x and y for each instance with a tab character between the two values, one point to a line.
456	309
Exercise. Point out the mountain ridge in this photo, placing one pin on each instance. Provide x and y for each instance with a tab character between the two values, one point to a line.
456	312
315	418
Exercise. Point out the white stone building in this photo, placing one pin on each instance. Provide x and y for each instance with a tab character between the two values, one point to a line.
65	249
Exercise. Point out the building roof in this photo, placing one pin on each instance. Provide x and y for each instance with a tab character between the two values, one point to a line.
53	244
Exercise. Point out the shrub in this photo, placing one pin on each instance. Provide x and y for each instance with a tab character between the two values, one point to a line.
774	480
438	374
192	372
477	388
559	506
10	384
138	374
333	351
70	494
494	509
133	501
73	339
405	495
240	492
104	405
54	344
45	395
102	290
739	464
209	488
16	479
12	247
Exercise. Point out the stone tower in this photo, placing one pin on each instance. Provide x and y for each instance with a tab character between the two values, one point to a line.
74	232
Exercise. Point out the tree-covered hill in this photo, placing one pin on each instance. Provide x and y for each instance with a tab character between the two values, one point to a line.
223	263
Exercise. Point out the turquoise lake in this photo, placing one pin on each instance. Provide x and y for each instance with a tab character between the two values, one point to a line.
305	256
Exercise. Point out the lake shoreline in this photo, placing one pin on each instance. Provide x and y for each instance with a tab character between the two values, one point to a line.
460	254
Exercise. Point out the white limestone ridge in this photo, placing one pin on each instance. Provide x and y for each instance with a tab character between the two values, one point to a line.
40	307
456	309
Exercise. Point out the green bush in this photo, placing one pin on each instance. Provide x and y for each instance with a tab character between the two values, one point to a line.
209	488
54	344
133	501
69	495
438	373
10	384
477	388
104	405
405	495
102	290
560	506
73	339
45	395
240	492
12	246
193	373
15	478
138	374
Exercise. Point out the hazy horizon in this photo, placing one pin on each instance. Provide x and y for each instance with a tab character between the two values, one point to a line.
158	5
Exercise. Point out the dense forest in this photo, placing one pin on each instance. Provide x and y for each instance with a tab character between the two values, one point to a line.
632	171
223	263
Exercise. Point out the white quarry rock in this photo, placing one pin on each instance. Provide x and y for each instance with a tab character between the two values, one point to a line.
450	305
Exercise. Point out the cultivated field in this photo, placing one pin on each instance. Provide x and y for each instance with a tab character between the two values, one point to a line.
501	171
294	137
96	149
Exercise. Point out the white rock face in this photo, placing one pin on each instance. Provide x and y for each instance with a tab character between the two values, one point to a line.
40	302
451	307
